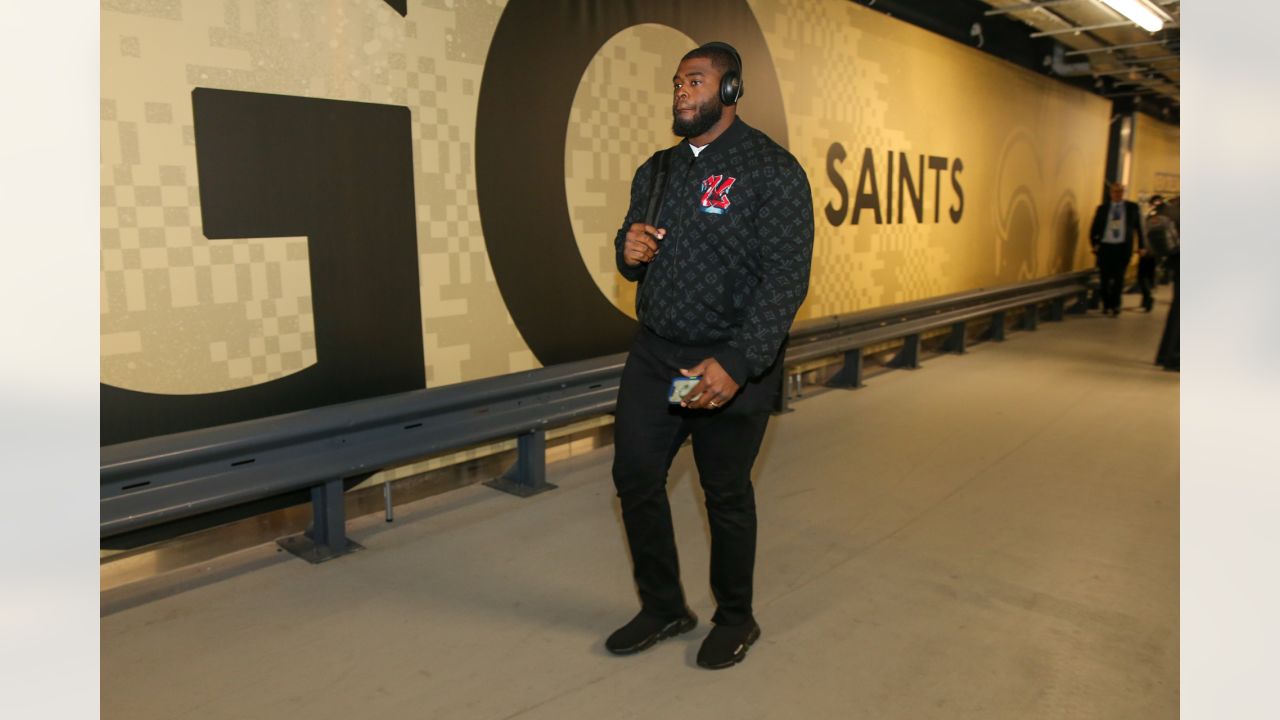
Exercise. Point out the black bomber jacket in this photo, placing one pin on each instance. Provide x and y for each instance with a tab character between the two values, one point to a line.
733	266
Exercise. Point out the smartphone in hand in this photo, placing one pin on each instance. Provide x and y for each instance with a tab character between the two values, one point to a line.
681	387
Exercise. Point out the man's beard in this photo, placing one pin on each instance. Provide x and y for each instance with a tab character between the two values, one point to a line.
707	115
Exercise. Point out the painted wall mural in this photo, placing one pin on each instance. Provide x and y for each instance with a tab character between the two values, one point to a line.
307	202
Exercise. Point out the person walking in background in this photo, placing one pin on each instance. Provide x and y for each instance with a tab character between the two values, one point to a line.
722	262
1150	259
1162	229
1162	240
1115	233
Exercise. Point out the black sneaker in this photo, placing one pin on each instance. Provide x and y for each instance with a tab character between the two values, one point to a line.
727	645
644	630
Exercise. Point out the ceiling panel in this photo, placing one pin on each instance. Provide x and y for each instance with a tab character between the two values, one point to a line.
1135	67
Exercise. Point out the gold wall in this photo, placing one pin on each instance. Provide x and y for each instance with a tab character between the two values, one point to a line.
1155	169
181	315
1033	152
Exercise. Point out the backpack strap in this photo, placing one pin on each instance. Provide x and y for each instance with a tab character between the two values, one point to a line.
658	186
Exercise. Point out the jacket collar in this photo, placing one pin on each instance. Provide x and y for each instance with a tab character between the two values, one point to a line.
731	136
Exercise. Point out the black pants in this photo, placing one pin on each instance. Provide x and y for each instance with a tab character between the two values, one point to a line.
1113	260
1147	279
648	432
1167	355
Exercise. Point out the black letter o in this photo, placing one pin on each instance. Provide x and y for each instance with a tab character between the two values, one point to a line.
538	52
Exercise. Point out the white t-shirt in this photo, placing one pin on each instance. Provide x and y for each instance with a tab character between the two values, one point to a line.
697	148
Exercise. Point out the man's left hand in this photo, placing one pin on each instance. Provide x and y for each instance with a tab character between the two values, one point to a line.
714	390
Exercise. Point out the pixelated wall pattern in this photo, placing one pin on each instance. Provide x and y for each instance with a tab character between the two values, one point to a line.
183	315
621	115
1155	169
837	92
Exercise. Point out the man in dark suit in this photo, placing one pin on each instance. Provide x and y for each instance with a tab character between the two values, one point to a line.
1115	226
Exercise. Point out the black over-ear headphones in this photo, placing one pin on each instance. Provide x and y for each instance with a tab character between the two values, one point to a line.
731	81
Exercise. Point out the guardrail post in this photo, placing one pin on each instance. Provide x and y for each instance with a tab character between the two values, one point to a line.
997	326
528	476
1030	317
1081	305
955	342
781	406
327	538
909	356
1057	313
850	375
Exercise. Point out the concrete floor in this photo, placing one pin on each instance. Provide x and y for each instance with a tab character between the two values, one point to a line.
994	535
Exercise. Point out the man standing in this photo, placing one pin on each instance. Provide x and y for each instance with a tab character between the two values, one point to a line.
722	270
1162	238
1115	225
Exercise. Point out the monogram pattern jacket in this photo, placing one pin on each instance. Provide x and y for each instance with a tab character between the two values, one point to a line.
733	266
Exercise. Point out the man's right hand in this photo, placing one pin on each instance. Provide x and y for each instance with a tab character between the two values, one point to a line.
641	244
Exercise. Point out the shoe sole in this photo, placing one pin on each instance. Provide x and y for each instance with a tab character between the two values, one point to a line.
751	639
670	630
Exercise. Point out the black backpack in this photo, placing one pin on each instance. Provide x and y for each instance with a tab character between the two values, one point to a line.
1158	239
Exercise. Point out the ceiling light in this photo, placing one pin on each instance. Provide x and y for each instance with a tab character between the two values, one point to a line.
1143	13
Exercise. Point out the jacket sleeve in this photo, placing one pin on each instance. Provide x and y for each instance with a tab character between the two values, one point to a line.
784	228
635	214
1098	226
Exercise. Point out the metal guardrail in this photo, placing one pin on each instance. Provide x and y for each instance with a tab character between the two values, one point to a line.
156	480
910	327
806	329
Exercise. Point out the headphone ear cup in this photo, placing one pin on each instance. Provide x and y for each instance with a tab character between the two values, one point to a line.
731	81
730	88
